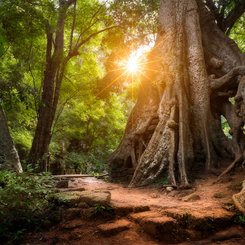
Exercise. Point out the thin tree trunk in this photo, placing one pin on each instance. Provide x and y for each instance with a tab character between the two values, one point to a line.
53	76
9	158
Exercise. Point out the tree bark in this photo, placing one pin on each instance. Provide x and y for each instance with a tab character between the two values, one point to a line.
9	158
175	127
56	63
53	75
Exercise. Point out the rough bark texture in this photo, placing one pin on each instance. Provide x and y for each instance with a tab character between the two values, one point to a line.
9	158
175	126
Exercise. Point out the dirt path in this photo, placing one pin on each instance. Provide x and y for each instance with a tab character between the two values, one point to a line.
163	209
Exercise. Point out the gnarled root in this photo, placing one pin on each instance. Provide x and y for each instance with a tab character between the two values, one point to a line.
237	160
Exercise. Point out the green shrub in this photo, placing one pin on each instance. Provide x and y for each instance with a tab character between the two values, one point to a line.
23	202
85	162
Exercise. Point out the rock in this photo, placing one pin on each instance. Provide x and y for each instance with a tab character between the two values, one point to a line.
163	228
70	199
239	199
159	226
169	188
96	197
191	197
138	217
73	198
202	219
62	184
113	228
123	209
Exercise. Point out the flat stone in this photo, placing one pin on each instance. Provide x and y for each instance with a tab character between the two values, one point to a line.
69	199
160	226
123	209
138	217
96	197
207	218
113	228
169	188
153	225
73	198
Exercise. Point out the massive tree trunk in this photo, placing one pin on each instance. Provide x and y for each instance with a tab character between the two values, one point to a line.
175	126
9	158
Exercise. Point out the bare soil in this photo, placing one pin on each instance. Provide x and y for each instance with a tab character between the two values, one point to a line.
214	201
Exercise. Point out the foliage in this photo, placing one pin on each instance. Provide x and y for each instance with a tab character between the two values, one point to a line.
91	162
238	33
23	201
225	126
240	219
103	211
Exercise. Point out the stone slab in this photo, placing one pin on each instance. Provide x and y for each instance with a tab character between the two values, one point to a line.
115	227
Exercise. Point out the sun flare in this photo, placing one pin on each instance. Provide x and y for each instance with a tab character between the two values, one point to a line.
133	65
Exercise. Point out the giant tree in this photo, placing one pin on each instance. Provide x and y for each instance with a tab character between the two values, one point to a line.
195	73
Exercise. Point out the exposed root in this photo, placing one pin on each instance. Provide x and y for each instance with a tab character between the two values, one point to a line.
227	79
238	159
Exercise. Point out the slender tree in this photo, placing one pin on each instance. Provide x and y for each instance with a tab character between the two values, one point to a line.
58	56
194	69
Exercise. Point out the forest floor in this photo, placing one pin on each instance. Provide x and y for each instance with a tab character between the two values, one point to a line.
153	215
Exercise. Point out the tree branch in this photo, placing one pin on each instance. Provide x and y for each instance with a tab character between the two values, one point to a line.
73	25
91	23
227	79
75	52
234	15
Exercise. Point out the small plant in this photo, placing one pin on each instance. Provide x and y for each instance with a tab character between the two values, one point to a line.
23	202
103	211
240	219
163	181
